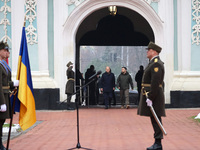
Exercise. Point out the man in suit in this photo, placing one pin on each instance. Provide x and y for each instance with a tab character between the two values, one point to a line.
108	85
5	85
152	83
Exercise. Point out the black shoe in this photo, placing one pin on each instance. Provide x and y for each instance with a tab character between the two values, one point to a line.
155	146
106	107
70	108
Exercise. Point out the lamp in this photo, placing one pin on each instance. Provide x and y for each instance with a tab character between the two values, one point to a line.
113	10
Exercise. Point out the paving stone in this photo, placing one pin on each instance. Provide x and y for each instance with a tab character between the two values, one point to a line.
112	129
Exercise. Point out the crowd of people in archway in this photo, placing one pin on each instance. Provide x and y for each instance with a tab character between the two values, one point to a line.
105	85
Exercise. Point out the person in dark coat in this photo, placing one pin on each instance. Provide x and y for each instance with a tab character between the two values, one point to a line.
97	87
152	82
69	89
114	97
123	82
6	84
92	87
79	77
108	85
138	79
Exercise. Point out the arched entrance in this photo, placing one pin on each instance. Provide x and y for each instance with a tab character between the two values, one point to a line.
103	39
127	28
87	8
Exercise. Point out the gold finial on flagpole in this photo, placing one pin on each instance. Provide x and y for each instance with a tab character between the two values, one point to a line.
25	21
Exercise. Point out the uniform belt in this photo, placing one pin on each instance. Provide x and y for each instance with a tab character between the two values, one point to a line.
149	85
71	79
6	87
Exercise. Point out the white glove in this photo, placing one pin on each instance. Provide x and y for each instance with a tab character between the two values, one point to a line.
149	102
3	108
16	83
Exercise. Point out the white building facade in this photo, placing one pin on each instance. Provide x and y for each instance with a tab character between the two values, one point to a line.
52	26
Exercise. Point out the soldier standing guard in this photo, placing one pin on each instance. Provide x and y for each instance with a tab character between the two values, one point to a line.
152	83
5	85
69	90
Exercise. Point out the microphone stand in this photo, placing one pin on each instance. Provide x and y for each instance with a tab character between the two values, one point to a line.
78	145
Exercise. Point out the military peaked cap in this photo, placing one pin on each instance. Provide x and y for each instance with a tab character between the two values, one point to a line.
4	46
154	47
69	63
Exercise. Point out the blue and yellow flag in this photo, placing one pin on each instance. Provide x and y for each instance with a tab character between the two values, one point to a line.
27	114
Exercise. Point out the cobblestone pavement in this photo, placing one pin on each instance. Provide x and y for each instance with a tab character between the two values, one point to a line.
112	129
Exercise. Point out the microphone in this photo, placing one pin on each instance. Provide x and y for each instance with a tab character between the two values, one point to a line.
98	73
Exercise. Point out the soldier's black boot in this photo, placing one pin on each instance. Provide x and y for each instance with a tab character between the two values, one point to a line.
156	146
3	148
1	145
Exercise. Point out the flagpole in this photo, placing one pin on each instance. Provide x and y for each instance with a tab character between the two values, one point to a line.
14	92
25	21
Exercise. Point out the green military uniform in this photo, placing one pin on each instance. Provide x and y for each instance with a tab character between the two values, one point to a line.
5	85
152	82
70	83
4	92
69	89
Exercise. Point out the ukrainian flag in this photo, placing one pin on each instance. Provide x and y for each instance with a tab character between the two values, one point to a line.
27	114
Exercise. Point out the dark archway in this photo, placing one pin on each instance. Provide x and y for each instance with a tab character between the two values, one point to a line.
127	28
116	31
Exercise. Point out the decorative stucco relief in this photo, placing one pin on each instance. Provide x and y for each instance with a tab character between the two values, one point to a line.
196	18
31	17
5	21
75	2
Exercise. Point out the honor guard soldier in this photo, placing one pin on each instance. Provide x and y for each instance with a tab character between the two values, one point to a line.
69	89
152	84
5	86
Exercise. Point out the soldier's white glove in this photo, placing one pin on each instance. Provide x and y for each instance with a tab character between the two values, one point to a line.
3	108
16	83
149	102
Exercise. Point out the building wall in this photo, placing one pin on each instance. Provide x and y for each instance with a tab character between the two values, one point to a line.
57	22
187	70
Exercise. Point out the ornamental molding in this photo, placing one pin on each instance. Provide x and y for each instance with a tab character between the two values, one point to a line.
5	21
75	2
196	18
31	15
